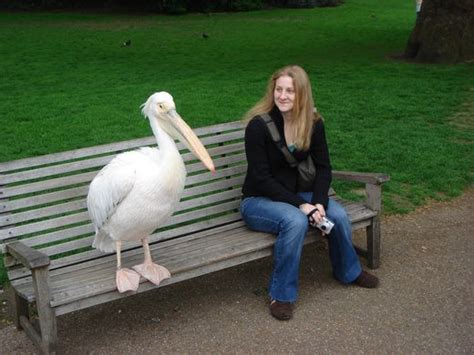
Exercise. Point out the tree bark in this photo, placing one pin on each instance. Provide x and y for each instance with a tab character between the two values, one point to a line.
443	32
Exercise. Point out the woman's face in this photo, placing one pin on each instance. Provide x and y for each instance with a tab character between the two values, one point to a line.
284	93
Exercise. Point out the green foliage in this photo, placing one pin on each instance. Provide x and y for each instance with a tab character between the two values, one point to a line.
246	5
175	7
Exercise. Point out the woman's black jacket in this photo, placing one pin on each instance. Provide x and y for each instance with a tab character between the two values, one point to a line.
270	175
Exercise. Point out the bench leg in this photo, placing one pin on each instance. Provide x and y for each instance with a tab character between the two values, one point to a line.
374	201
20	308
373	244
47	316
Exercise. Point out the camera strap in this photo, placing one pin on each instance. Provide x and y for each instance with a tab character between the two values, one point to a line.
277	140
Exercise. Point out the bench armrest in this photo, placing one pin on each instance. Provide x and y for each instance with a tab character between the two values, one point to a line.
29	257
373	185
368	178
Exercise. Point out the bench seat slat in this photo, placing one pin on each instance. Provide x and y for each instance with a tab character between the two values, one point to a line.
199	245
357	212
225	224
103	276
182	276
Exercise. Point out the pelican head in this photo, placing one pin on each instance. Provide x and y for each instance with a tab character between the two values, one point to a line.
161	107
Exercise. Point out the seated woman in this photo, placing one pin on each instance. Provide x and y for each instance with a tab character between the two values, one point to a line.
271	201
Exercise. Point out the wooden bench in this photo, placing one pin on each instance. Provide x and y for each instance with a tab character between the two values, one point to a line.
46	234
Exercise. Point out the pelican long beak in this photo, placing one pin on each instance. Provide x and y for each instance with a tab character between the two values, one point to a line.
190	140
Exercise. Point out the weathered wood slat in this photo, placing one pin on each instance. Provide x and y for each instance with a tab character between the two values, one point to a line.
62	208
218	162
192	232
98	162
176	219
52	184
72	232
85	178
28	163
214	240
62	195
105	148
11	232
43	199
83	217
221	173
173	247
63	234
360	213
355	215
43	212
29	257
164	254
370	178
195	227
357	211
185	275
105	277
102	277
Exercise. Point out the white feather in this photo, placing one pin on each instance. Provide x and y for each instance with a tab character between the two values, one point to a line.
138	190
110	187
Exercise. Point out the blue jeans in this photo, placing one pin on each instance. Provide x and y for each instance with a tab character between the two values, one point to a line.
291	225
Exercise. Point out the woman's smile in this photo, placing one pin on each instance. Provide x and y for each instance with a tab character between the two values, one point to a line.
284	94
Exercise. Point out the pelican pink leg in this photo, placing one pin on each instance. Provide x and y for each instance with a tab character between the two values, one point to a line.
126	279
149	270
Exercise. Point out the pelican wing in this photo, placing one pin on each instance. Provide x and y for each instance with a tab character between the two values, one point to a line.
110	187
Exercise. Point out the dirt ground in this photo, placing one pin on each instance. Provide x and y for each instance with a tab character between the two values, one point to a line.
425	303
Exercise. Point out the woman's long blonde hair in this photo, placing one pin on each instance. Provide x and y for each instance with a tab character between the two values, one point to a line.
303	106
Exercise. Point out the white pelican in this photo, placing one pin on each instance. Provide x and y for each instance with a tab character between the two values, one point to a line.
139	190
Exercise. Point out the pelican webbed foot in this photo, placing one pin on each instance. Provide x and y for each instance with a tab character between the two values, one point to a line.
152	272
127	280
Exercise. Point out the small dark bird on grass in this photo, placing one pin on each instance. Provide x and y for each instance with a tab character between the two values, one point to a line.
205	35
127	43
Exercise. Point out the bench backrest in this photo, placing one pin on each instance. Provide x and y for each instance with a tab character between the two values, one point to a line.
43	199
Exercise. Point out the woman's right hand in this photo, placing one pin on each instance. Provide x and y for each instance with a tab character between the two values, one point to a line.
306	208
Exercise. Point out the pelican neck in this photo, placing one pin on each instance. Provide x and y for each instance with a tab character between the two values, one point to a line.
164	141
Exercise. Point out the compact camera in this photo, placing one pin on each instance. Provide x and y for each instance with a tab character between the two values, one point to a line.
325	225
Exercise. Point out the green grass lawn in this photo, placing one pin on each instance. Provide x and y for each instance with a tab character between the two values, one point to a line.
67	83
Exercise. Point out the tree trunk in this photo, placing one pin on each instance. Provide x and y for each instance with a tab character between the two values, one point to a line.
443	32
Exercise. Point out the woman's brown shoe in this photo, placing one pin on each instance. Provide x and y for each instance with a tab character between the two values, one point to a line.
281	310
366	280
